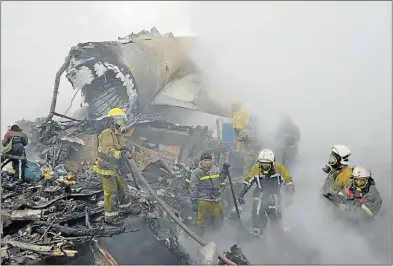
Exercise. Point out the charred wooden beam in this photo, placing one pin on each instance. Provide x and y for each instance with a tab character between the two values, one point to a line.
26	215
68	231
46	250
47	204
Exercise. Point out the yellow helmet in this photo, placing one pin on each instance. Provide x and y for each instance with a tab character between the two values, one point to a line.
117	112
120	119
236	101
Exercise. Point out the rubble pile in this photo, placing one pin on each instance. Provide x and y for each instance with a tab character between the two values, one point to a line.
61	212
170	188
48	218
53	141
51	218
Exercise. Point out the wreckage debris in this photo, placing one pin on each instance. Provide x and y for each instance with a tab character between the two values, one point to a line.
59	205
41	218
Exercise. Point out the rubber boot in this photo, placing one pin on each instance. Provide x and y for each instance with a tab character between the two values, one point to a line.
114	222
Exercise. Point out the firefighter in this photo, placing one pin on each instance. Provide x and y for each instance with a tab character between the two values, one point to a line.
269	176
287	140
338	170
14	143
112	151
205	190
360	198
243	131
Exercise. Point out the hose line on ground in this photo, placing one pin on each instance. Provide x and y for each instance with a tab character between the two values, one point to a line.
171	214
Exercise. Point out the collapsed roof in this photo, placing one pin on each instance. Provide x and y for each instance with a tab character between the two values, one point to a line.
139	72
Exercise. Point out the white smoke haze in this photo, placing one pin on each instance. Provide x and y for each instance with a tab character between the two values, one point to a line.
327	65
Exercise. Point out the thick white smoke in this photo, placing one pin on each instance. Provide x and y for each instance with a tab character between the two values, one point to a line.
328	65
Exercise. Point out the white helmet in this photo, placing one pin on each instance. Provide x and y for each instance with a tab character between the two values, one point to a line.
266	155
343	152
361	177
361	171
11	125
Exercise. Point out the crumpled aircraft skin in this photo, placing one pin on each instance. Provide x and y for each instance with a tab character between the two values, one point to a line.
142	75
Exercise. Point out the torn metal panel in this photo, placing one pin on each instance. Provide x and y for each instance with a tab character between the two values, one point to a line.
73	139
141	71
104	80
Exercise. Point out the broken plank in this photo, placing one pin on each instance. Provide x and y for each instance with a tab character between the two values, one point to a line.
76	195
26	246
26	215
106	257
47	204
46	250
64	252
65	231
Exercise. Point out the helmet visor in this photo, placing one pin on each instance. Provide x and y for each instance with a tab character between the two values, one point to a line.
265	166
333	159
359	182
120	120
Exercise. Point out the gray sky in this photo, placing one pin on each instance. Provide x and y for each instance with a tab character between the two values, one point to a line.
36	38
328	64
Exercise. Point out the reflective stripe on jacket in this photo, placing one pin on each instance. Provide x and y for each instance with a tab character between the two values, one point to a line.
206	184
109	146
19	141
369	203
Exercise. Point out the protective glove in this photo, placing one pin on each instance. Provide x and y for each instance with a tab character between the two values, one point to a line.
125	148
335	198
241	201
186	185
223	186
125	155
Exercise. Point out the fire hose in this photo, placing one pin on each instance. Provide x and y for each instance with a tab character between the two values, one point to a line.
200	241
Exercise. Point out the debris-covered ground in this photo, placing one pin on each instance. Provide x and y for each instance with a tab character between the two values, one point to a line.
50	218
60	212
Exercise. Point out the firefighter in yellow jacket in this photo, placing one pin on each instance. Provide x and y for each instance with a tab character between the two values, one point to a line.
338	170
269	176
360	200
241	126
112	149
205	188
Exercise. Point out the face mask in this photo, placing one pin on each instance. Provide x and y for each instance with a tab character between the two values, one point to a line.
332	164
120	129
360	183
265	167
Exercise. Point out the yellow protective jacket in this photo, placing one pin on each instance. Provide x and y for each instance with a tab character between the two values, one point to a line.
336	180
278	169
271	182
240	118
109	148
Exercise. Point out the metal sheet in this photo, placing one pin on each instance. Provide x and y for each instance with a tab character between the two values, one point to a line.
139	74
